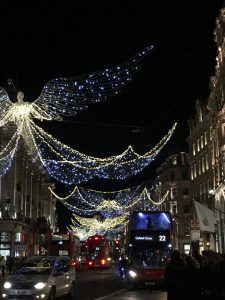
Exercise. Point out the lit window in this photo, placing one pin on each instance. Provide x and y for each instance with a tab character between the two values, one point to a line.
199	167
206	162
206	139
195	170
202	142
192	173
198	145
174	161
203	164
193	149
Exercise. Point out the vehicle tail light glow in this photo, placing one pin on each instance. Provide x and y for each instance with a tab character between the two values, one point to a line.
90	263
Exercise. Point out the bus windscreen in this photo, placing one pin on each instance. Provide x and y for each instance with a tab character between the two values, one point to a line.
155	221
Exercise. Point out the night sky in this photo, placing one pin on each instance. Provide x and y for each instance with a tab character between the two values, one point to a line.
46	39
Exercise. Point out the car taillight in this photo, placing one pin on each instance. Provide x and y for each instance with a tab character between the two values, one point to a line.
73	263
90	263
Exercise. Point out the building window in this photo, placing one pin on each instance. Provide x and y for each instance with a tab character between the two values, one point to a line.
192	173
198	145
173	207
195	170
203	164
193	149
174	161
199	167
187	228
205	138
202	142
206	162
187	248
200	186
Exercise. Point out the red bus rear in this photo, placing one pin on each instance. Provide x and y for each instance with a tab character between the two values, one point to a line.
98	252
65	243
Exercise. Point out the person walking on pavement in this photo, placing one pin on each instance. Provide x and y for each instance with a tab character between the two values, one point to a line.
2	265
174	277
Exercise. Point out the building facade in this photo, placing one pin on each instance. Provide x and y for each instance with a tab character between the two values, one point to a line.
27	209
173	179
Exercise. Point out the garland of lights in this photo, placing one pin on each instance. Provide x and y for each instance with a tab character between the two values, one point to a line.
83	203
72	167
8	152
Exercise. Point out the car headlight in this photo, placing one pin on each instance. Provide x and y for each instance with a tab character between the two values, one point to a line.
7	285
132	274
40	285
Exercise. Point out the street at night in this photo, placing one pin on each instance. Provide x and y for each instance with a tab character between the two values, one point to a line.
104	285
112	143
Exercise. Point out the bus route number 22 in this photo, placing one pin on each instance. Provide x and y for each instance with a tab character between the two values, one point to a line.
162	238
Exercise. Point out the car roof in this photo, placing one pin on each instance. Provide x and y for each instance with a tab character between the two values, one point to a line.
46	257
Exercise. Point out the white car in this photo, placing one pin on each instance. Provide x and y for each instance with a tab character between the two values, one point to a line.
40	277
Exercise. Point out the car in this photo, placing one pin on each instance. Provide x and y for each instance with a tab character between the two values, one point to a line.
40	277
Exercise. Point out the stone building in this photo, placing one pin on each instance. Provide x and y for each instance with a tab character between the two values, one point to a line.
216	106
173	177
27	209
202	154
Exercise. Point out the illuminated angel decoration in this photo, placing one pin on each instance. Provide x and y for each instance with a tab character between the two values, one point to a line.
65	97
95	225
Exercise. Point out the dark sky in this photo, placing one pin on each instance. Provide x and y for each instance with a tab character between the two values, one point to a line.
48	39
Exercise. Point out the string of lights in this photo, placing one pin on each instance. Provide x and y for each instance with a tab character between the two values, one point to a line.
72	167
85	203
7	154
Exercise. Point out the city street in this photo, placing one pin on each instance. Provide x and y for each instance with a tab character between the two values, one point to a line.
104	285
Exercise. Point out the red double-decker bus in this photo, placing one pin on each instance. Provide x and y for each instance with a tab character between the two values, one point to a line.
65	243
149	247
98	251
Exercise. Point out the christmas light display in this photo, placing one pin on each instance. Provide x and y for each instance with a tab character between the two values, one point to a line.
65	96
109	204
94	225
72	167
8	152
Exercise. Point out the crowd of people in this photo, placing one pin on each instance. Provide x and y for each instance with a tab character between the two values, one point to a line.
195	276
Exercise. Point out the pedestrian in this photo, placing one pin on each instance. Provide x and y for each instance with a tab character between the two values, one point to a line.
9	264
2	265
193	285
174	277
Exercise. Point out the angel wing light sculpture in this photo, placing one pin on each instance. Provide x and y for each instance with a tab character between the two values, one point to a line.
65	97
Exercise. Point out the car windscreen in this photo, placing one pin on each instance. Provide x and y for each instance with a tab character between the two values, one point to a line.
33	269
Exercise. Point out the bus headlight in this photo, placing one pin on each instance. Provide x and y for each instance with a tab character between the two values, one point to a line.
132	274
